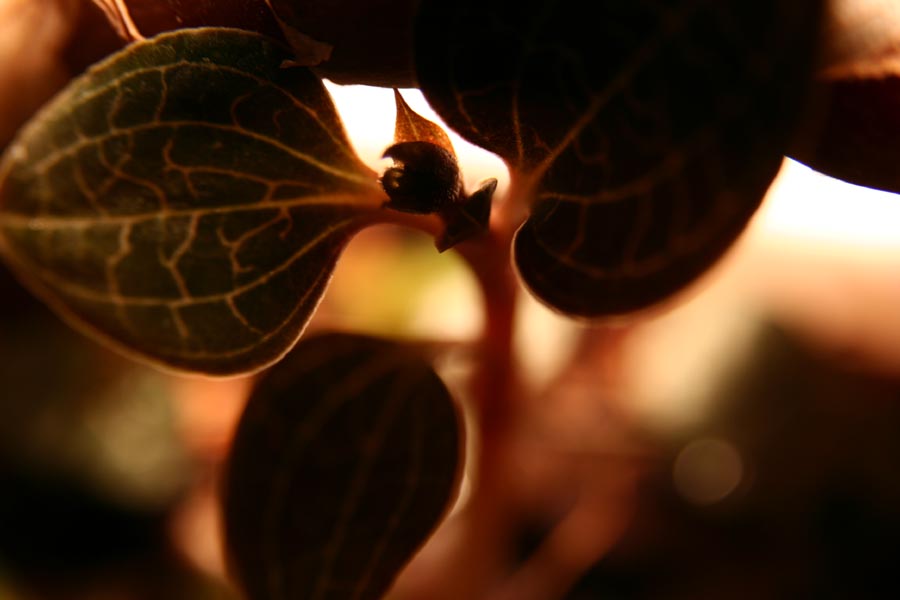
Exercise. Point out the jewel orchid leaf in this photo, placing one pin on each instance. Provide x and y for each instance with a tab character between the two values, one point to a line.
344	461
186	199
641	135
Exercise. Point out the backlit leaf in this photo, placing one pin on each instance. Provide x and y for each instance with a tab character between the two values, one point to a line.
44	44
410	126
186	199
344	461
644	133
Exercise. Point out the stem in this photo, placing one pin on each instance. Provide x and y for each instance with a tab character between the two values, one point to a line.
495	384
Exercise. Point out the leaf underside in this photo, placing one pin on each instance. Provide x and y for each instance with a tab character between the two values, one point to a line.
345	459
186	199
647	132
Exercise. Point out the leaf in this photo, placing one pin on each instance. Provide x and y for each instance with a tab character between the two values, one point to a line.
410	126
642	134
344	461
187	200
852	133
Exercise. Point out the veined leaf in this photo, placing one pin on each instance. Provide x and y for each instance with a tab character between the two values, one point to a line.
186	199
346	457
410	126
645	133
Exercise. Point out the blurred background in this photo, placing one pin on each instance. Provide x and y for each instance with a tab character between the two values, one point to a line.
742	441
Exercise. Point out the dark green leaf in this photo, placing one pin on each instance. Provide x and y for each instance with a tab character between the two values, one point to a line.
344	461
643	133
186	199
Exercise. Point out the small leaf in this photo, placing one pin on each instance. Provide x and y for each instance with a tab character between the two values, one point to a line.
344	461
425	177
410	126
643	135
186	199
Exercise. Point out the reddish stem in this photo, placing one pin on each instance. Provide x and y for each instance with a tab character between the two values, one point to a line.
494	381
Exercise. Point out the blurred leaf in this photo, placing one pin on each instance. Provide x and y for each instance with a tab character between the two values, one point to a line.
853	130
43	43
100	422
819	443
90	459
344	461
187	199
371	39
643	133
